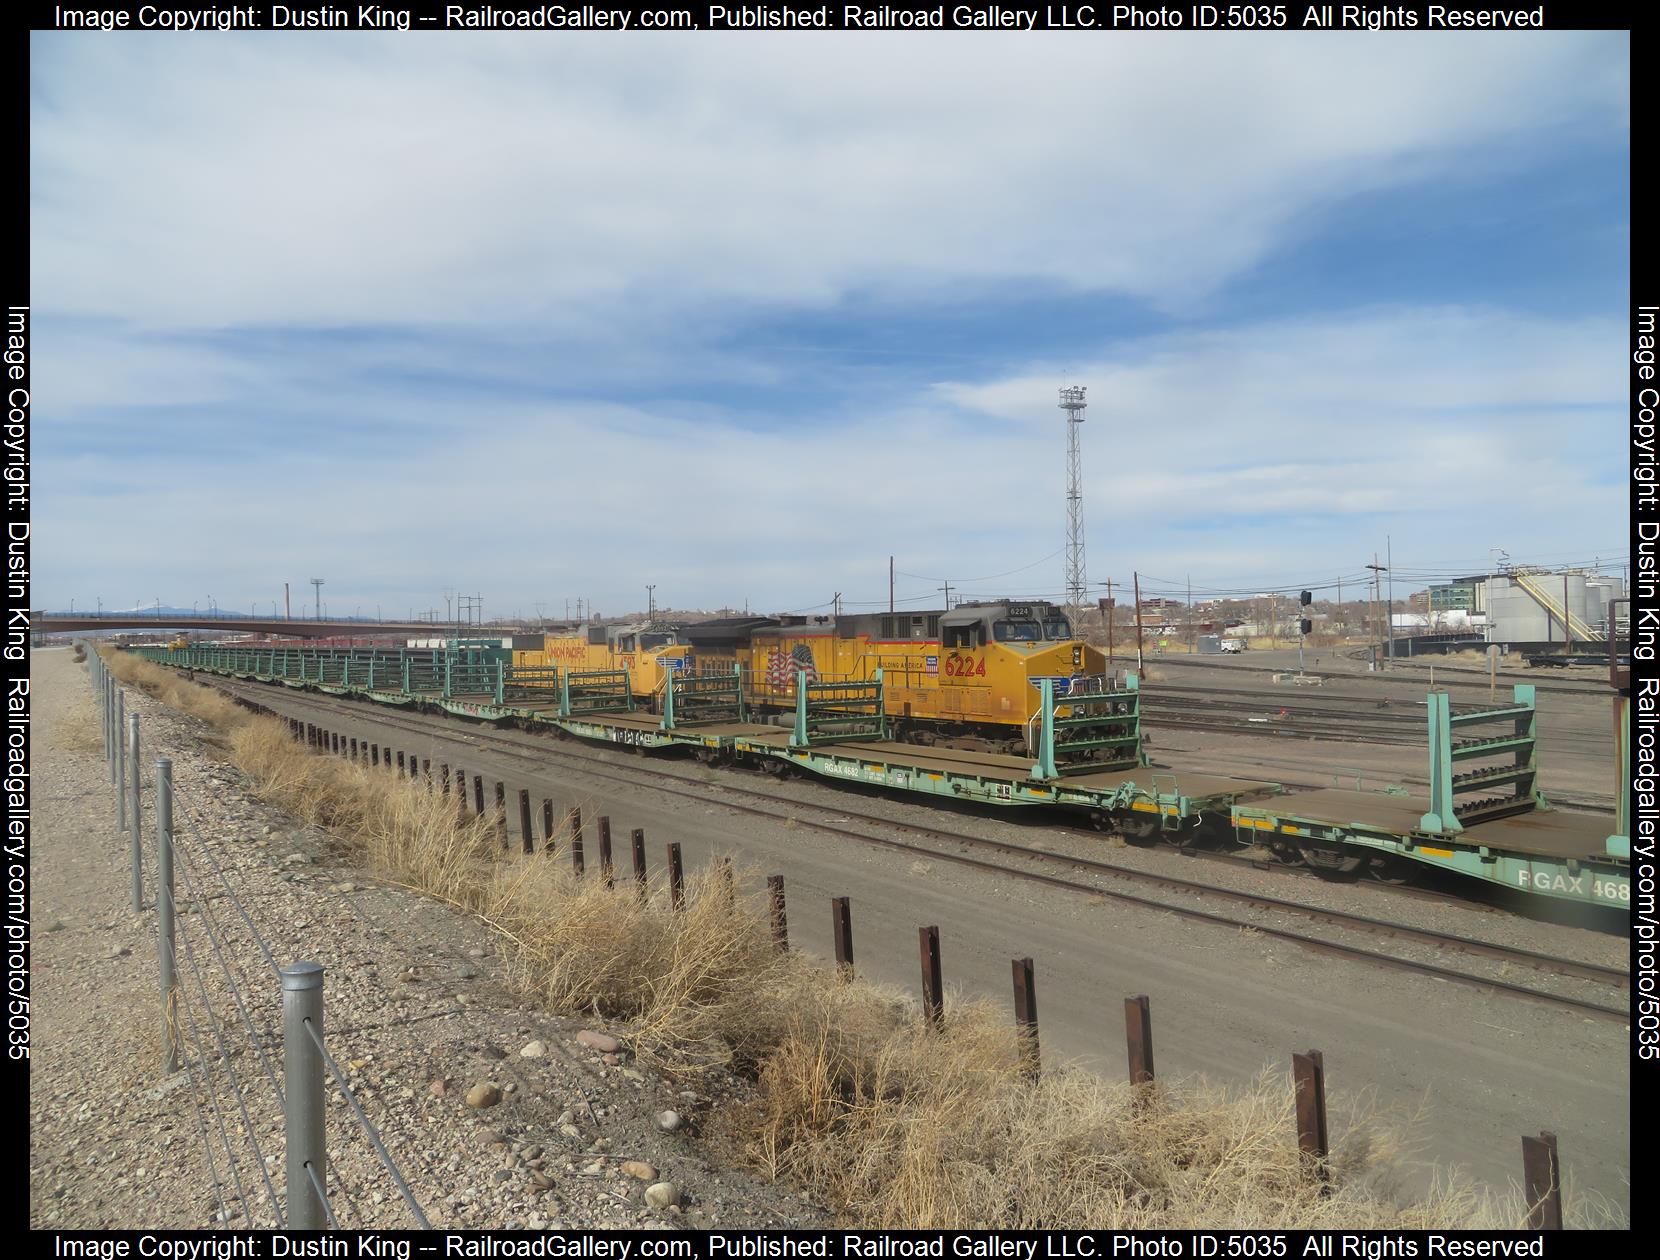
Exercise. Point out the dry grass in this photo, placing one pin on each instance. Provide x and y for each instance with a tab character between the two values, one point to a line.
80	730
883	1119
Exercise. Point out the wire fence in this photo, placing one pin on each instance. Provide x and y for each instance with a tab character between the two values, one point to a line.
212	1014
265	1137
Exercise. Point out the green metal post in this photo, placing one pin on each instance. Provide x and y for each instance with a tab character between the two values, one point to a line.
1440	816
448	657
406	673
667	724
501	683
738	682
565	693
1132	683
881	707
798	737
1045	765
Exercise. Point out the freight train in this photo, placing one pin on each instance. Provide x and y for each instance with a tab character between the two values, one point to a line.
967	677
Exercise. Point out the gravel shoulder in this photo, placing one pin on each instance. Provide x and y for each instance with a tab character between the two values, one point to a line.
417	1015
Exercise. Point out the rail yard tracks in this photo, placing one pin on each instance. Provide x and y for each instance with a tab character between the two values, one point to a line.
1031	864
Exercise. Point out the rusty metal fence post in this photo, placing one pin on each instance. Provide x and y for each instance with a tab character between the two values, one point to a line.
841	928
933	988
1542	1174
605	850
1309	1071
575	817
777	920
478	795
1138	1032
302	1070
444	779
1026	1017
677	877
526	838
547	822
637	841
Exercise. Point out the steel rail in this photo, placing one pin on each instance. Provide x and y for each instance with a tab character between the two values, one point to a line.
1561	966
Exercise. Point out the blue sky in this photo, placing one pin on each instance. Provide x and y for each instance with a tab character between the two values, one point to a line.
555	317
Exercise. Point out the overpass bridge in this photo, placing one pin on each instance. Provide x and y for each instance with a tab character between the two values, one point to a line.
138	622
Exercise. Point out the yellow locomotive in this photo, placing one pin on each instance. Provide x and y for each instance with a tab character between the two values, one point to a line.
970	676
649	651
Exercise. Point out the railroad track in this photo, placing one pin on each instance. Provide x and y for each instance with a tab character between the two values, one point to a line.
535	750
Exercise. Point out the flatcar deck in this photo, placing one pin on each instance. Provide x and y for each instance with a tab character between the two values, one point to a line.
1519	841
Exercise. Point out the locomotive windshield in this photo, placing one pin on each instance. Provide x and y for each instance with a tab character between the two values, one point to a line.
1016	631
1057	627
651	642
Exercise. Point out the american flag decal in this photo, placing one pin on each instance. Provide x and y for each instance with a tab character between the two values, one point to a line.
781	669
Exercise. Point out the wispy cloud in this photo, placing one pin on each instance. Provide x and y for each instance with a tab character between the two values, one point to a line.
548	319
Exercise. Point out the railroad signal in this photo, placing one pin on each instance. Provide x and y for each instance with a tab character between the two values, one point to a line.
1305	599
1306	626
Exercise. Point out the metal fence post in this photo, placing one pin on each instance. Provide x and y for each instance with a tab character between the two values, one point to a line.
933	993
478	795
444	779
302	1070
548	841
164	914
1543	1177
1138	1032
677	877
1025	1016
1309	1071
841	929
575	823
777	919
118	767
637	838
135	820
605	849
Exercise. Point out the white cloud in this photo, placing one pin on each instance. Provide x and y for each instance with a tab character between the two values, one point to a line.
501	180
1288	449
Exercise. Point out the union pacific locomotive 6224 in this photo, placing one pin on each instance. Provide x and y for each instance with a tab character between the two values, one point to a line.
969	676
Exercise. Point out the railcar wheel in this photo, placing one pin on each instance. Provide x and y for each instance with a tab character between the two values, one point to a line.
1392	870
1133	826
1333	861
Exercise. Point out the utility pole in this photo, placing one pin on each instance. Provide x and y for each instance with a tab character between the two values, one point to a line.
1190	643
1108	619
287	609
1077	586
947	589
1389	560
890	584
1140	659
317	585
651	601
1377	587
836	603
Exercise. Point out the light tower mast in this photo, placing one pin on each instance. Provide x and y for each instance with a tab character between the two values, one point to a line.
1077	583
318	583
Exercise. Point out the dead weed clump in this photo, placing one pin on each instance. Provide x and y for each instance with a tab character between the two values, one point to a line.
888	1121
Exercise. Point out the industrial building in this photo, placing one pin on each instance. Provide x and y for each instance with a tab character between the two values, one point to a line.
1531	606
